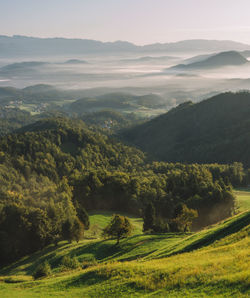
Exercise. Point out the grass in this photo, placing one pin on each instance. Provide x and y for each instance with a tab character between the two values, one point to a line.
212	262
100	220
243	198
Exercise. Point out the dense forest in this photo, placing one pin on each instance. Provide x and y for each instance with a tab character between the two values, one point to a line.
214	130
55	169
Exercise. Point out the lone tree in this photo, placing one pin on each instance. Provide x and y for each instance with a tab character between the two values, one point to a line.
149	217
119	227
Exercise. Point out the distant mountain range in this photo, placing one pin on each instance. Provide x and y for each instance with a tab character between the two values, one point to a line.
230	58
214	130
27	46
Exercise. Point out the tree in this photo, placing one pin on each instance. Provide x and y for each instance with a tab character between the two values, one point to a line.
149	217
72	230
120	226
77	230
67	230
184	218
82	215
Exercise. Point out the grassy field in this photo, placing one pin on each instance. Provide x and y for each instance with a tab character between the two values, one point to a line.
99	220
243	198
212	262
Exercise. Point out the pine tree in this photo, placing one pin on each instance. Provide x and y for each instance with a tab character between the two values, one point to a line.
149	217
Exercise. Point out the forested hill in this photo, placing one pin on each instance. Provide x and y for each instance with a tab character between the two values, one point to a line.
214	130
52	170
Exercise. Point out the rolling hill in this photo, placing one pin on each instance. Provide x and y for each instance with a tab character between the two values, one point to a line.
213	262
21	67
230	58
116	101
37	94
214	130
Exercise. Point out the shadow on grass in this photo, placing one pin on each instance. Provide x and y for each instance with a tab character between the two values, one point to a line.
107	249
231	227
94	278
86	279
99	250
34	260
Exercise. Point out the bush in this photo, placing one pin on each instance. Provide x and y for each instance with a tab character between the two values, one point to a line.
42	270
71	263
89	262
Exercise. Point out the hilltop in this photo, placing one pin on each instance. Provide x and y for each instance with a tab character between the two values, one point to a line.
231	58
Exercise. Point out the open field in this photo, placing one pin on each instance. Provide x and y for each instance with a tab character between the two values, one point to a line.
212	262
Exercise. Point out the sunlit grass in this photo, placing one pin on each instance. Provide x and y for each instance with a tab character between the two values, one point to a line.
220	270
213	262
243	198
100	219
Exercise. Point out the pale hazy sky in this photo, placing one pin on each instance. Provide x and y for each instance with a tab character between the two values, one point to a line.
138	21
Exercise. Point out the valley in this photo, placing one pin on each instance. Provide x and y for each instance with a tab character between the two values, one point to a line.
124	168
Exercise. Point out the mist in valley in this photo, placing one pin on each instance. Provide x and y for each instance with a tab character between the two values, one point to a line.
124	148
134	73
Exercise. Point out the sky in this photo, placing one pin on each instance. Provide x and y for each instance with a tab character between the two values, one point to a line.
137	21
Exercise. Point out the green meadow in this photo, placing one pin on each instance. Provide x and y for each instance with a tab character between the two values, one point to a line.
212	262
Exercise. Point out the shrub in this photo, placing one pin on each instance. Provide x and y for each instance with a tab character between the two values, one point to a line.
42	270
89	263
71	263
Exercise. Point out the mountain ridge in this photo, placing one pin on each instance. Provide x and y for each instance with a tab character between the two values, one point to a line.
22	45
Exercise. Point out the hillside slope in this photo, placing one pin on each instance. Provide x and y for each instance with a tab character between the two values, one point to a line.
218	267
214	130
